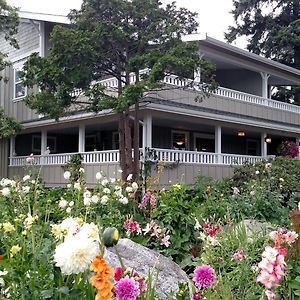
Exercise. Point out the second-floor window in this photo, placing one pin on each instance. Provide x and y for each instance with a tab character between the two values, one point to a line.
20	90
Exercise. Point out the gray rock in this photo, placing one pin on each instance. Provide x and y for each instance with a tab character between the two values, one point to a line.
254	227
143	260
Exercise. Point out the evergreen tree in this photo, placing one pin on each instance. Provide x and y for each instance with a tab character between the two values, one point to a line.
113	38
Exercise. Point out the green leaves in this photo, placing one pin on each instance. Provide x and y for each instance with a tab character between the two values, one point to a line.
8	125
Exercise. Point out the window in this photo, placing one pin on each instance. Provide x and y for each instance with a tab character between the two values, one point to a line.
20	90
204	142
115	140
180	140
36	144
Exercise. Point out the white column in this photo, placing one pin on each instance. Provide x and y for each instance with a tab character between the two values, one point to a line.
264	84
218	143
264	145
297	143
147	132
43	141
12	149
81	138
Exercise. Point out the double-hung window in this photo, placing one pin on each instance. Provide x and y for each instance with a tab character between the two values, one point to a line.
20	91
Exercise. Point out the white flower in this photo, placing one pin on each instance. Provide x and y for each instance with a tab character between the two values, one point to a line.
70	226
77	186
89	230
87	201
252	193
281	179
26	177
112	180
298	205
32	181
71	203
134	185
106	191
69	185
268	165
197	224
63	203
67	175
118	188
29	221
120	171
2	283
75	254
123	200
104	182
118	193
87	194
81	170
5	182
129	189
104	199
256	172
68	210
129	177
5	192
95	199
25	189
98	176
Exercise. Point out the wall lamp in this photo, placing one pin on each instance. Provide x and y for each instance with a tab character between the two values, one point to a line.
268	140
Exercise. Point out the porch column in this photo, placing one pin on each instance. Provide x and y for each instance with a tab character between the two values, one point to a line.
12	149
43	141
297	143
264	84
81	139
147	132
264	145
218	143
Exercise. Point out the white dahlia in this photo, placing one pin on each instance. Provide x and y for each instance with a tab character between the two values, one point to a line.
75	254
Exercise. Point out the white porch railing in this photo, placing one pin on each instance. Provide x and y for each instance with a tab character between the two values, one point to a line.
111	156
194	157
163	155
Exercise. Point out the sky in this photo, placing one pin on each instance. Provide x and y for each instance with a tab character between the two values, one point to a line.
214	15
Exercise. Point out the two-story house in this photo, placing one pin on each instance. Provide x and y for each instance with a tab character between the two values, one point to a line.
239	122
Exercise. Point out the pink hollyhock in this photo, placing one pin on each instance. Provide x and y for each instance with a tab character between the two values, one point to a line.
152	201
165	241
239	255
204	277
127	289
145	200
132	226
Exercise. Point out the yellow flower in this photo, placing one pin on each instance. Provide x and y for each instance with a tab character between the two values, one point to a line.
14	250
8	227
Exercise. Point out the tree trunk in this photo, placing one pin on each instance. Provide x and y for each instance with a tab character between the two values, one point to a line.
136	142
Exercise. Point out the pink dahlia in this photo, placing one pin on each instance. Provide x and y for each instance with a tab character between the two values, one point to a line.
127	289
204	277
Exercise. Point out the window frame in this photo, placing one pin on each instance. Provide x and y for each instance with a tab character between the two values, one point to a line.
17	67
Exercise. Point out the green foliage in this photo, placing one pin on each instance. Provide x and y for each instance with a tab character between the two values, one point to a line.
8	125
236	277
74	166
176	211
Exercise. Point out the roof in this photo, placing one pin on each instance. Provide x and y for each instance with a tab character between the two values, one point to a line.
62	19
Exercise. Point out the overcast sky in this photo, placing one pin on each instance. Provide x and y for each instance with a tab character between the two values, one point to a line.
214	15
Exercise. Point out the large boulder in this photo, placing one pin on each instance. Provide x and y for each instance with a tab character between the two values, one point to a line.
143	260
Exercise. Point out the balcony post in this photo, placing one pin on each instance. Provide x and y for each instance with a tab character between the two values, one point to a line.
43	141
264	84
218	143
147	132
81	138
264	145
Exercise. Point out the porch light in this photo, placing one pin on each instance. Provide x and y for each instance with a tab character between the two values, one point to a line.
180	143
268	140
241	133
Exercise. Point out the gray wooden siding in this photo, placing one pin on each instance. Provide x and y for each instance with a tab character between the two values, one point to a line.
227	106
3	158
28	40
183	173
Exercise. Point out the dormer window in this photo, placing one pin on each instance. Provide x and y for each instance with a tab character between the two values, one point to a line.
20	91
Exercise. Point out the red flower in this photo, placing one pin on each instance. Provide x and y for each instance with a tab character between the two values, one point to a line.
118	273
1	257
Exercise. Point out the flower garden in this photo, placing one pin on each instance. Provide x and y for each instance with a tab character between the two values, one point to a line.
235	239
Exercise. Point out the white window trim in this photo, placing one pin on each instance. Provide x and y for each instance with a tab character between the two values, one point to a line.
18	67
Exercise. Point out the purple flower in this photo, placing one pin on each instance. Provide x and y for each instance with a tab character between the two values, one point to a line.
145	200
204	277
127	289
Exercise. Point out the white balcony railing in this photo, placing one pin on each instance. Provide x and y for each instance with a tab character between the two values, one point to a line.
163	155
221	91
